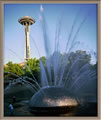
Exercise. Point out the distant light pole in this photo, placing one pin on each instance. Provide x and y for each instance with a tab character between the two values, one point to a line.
26	21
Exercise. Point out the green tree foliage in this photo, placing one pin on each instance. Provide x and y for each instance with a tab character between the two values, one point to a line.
70	62
80	54
32	64
13	69
32	67
43	60
79	57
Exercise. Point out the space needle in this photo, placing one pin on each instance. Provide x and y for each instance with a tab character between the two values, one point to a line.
26	21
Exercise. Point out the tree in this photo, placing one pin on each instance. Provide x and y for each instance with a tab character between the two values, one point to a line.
13	69
43	60
32	68
68	64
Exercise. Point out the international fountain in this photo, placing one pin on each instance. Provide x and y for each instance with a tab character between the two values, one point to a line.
61	95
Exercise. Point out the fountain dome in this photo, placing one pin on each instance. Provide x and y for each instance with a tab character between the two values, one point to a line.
52	99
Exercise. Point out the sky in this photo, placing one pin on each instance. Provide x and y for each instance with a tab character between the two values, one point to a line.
59	17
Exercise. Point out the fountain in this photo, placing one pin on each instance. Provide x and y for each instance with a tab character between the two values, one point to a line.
61	89
52	101
61	93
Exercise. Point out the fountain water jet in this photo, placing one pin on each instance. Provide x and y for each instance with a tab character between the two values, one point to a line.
70	88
